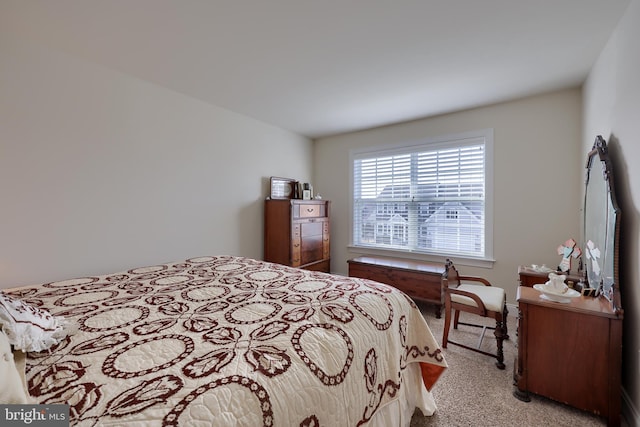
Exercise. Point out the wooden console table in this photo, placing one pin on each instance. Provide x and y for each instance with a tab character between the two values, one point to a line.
420	280
571	353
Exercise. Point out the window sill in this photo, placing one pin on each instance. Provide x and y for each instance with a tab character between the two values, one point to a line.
458	260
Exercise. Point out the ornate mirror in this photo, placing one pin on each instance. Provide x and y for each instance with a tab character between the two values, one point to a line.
601	225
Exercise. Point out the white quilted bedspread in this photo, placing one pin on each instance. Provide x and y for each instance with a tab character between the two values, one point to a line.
228	341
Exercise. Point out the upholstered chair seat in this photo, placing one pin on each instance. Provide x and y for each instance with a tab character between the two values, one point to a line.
474	295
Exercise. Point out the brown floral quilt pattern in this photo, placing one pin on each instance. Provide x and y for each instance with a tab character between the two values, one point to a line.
225	340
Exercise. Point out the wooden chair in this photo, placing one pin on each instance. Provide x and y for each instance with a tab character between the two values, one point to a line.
474	295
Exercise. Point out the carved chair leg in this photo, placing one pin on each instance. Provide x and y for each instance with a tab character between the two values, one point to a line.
499	333
447	323
456	318
505	313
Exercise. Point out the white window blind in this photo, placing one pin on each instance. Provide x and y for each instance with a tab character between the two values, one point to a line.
427	198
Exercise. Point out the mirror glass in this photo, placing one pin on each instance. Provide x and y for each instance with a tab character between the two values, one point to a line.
601	224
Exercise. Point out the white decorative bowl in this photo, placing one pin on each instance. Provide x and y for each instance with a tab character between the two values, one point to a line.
555	295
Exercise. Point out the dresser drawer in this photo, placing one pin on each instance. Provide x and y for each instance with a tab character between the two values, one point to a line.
323	266
296	254
326	240
311	211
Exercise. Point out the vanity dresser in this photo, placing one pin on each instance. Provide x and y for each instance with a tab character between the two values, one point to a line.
571	351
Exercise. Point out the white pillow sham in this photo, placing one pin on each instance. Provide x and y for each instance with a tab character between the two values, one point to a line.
29	328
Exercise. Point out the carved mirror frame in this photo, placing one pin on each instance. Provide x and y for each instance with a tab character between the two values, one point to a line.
601	224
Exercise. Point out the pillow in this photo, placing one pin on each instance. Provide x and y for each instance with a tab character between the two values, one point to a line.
29	328
13	390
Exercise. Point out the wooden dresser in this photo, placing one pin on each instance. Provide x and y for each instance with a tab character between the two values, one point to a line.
529	277
570	352
420	280
296	233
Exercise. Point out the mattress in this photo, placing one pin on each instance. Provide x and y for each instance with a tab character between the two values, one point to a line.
233	341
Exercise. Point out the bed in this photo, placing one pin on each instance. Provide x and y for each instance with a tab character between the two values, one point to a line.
225	340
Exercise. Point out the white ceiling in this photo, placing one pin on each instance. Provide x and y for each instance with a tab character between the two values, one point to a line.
323	67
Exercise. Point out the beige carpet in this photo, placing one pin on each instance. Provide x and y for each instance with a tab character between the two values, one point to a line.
473	392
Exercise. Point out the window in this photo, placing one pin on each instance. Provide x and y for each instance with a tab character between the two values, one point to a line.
433	197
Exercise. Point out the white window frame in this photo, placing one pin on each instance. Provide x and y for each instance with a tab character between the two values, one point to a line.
433	143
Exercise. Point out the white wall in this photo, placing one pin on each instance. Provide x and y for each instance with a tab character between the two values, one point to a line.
100	171
537	177
612	109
